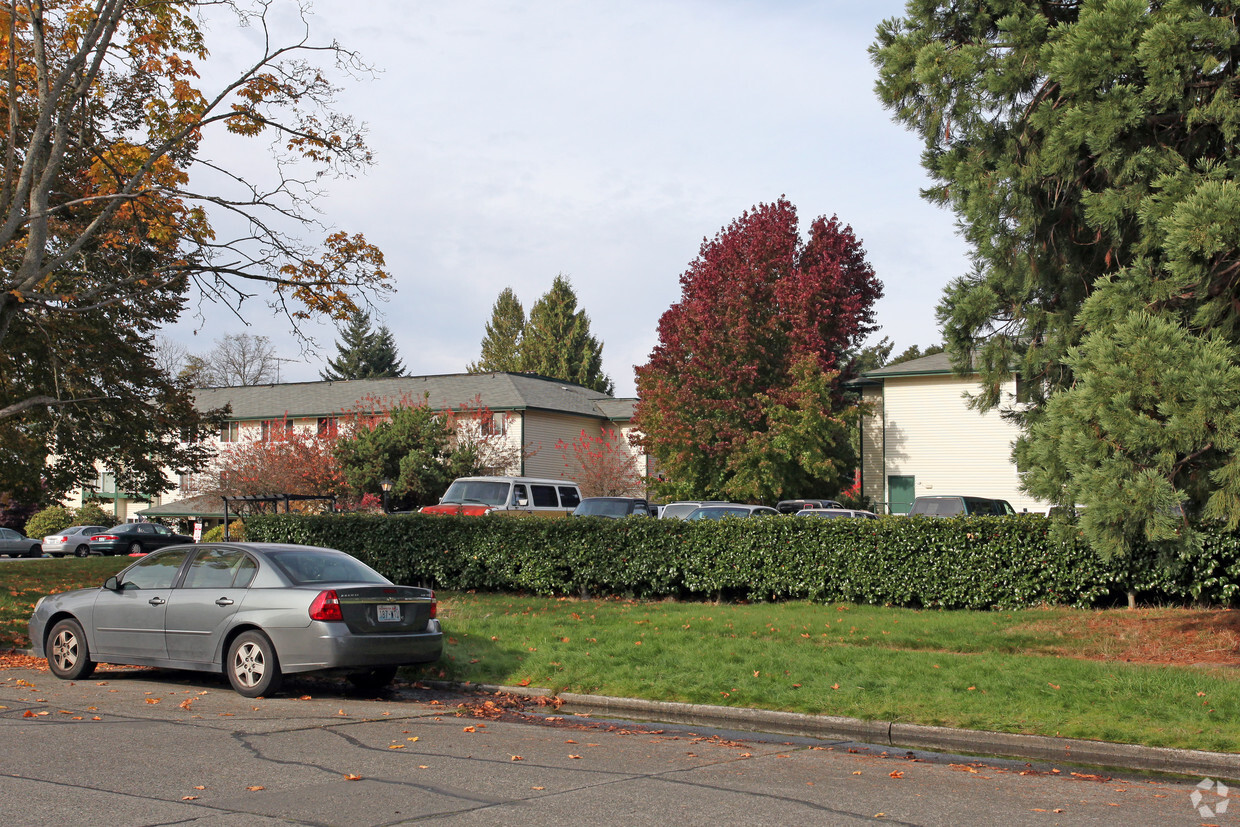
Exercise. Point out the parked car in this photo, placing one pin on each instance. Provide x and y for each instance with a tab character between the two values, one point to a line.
478	496
256	611
74	540
681	509
797	506
612	507
718	512
15	544
831	513
135	538
956	506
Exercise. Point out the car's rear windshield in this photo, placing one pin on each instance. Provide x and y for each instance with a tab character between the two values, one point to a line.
313	566
477	491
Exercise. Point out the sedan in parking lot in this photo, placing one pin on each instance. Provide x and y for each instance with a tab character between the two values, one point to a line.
135	538
718	512
74	540
255	611
15	544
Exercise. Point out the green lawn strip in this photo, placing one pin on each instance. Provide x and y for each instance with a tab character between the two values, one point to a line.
21	584
858	661
961	669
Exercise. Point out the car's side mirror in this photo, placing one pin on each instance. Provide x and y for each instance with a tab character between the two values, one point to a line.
112	584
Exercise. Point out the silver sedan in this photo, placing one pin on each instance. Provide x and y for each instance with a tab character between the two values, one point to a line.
255	611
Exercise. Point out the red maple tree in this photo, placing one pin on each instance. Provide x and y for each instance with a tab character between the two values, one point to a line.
602	466
761	330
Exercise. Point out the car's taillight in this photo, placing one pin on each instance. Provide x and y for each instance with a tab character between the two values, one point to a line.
326	606
104	537
434	606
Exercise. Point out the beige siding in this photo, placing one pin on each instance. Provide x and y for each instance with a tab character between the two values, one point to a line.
948	448
542	432
872	480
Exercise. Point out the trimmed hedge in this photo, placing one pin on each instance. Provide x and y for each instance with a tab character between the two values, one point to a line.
960	563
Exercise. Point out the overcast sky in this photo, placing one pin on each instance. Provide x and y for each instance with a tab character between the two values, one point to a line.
604	140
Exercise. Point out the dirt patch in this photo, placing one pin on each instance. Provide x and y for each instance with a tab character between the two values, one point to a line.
1176	637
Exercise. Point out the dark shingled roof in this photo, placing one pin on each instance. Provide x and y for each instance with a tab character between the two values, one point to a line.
497	391
926	365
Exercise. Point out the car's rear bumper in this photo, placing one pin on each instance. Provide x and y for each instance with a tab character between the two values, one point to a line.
326	645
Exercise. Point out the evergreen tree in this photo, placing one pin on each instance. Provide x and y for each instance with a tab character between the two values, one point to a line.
364	353
1090	152
557	343
501	347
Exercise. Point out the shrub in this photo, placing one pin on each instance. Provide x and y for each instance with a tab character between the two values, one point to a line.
92	514
236	531
964	562
50	520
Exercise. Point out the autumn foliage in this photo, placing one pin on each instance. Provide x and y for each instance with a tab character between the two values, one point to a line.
742	396
602	465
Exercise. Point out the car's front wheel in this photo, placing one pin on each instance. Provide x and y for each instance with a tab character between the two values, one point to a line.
82	551
253	668
372	680
68	656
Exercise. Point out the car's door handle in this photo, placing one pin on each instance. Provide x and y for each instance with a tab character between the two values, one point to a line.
223	601
157	601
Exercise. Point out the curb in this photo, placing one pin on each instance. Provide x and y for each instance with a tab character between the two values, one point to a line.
1186	762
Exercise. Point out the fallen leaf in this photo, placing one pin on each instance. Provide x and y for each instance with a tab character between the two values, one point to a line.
255	788
396	746
857	772
538	788
515	758
470	729
574	756
152	700
1053	685
304	698
189	798
835	686
896	774
185	704
423	767
414	738
348	776
200	788
522	682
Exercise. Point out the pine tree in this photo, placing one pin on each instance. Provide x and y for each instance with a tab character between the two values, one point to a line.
557	343
1090	152
364	353
501	347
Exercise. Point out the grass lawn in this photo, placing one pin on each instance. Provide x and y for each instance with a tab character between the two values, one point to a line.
1162	677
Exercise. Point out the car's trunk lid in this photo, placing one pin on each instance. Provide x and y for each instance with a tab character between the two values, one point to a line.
385	609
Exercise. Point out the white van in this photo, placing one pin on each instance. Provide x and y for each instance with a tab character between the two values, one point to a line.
478	496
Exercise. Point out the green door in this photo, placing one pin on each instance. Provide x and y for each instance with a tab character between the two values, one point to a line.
899	494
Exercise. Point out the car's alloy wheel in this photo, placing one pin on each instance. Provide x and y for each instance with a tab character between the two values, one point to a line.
135	548
68	656
252	666
82	551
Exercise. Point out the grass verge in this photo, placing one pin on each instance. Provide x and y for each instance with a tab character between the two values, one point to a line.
1048	672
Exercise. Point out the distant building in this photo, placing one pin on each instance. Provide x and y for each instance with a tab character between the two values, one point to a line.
529	413
922	439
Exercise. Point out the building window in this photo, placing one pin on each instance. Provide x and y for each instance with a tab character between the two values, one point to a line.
230	432
327	426
276	429
493	424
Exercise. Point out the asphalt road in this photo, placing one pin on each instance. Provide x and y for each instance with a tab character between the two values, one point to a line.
146	747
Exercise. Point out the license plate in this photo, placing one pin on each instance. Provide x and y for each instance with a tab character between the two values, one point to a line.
389	613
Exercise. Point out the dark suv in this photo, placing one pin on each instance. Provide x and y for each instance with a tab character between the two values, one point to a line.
958	506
